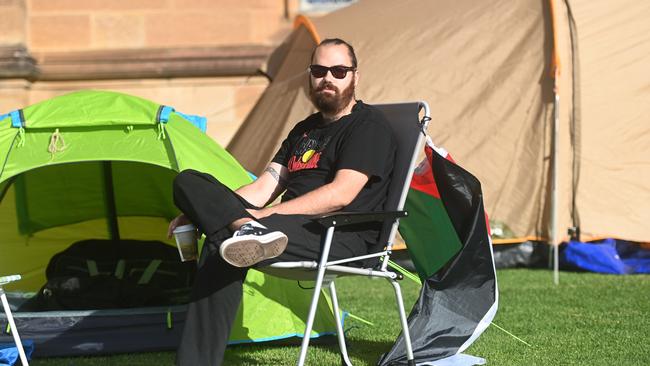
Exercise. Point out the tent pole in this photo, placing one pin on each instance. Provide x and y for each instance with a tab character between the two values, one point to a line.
109	200
555	150
554	173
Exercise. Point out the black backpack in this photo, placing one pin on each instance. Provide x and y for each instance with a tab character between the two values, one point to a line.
105	274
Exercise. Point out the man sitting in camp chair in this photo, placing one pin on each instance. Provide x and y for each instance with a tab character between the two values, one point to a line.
340	158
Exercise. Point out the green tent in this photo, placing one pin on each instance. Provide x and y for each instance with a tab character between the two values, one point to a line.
97	164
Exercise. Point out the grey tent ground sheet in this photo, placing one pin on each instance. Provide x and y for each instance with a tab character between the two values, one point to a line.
95	332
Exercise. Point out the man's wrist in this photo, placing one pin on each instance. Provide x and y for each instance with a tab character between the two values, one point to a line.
267	211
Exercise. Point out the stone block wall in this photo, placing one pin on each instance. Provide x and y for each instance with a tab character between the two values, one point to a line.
100	24
199	56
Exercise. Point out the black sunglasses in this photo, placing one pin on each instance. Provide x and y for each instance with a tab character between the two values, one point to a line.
339	71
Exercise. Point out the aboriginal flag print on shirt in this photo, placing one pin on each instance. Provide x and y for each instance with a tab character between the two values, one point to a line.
309	150
362	141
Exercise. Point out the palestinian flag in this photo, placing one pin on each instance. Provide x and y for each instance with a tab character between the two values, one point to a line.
448	239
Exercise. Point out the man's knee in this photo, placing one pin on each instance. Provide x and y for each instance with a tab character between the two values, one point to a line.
190	181
185	178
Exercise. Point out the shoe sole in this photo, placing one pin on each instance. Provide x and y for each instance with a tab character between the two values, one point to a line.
247	250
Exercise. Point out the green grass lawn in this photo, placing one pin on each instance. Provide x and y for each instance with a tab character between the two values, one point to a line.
589	319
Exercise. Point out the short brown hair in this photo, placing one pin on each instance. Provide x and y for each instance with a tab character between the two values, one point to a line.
336	42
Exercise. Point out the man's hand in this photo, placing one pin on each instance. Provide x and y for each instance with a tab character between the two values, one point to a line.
180	220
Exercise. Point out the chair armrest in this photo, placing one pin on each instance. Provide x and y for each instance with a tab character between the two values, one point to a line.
348	218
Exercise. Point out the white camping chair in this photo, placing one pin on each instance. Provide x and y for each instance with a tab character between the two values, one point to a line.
408	129
14	331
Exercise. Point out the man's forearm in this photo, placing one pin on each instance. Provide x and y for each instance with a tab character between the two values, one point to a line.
266	188
329	198
253	194
318	201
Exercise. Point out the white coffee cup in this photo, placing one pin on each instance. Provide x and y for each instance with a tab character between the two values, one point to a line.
185	236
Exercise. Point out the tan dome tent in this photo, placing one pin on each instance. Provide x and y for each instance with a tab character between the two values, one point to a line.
487	70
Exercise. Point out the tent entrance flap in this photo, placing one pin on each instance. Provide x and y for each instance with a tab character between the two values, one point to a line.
22	211
66	194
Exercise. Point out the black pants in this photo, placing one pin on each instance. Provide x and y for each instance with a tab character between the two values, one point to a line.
217	291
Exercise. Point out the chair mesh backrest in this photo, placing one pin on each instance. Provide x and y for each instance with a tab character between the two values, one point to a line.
404	121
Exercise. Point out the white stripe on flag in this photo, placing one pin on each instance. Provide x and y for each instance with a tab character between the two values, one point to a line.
440	150
489	316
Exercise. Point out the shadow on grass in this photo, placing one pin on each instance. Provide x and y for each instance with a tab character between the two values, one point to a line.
366	350
361	351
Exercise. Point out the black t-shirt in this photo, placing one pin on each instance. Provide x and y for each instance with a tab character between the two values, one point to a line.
363	141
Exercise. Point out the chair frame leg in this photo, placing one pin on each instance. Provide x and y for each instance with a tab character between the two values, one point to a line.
314	299
14	329
339	325
403	320
327	242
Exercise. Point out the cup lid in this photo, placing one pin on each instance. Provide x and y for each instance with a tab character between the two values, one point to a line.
184	228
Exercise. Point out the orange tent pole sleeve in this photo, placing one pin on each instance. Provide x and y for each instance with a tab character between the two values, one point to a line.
555	62
305	22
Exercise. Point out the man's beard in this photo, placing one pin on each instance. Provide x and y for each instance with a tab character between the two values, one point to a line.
328	103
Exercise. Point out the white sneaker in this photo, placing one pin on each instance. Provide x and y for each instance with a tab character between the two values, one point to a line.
250	245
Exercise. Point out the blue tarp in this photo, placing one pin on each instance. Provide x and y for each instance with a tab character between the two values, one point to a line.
9	352
607	256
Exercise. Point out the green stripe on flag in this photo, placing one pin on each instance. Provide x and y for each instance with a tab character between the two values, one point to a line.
428	233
